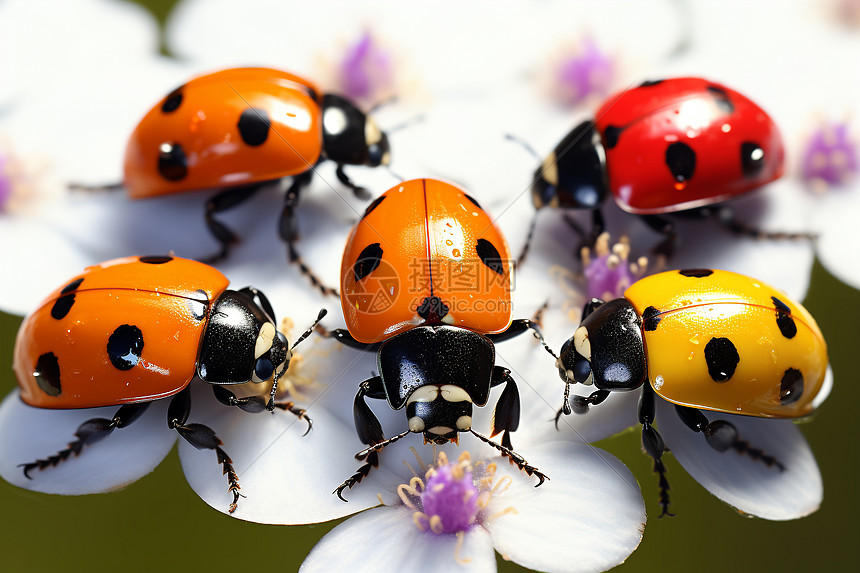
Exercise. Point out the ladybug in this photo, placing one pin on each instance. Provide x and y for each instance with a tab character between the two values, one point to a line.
703	340
426	283
663	147
240	129
137	329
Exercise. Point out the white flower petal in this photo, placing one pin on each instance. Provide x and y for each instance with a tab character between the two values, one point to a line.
286	476
127	454
589	517
747	484
386	539
836	221
477	53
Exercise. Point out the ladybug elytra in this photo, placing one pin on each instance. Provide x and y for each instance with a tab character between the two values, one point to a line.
132	330
701	339
426	280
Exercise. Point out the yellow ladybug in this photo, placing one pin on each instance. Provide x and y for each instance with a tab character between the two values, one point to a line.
704	340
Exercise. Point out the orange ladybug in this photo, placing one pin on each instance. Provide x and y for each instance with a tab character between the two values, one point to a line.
137	329
426	282
242	128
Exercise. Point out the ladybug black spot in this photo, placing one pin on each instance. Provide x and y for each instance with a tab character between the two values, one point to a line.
172	163
784	320
722	359
172	101
155	259
650	318
681	161
490	256
432	308
649	83
367	262
47	374
125	346
610	135
752	158
254	126
72	286
473	200
62	306
722	99
791	386
373	205
696	273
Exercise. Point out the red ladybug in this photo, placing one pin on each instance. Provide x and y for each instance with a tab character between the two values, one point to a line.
426	282
137	329
662	147
240	129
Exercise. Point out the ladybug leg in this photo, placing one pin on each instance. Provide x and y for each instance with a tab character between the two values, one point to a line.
88	433
288	229
514	458
359	192
525	250
726	217
506	417
343	336
722	435
223	201
369	431
521	325
667	228
257	404
260	300
653	444
201	437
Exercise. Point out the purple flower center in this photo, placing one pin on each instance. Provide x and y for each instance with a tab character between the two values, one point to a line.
450	499
365	70
586	74
607	271
830	157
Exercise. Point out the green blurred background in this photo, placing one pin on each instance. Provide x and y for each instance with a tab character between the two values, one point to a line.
159	523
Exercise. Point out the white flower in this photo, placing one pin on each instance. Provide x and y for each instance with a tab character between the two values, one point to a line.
451	515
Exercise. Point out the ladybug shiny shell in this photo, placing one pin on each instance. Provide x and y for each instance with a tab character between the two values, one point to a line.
684	143
425	252
123	331
232	127
661	147
726	342
703	338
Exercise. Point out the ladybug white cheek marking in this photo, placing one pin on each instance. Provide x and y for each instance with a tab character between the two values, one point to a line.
549	170
464	423
264	339
453	393
372	133
581	342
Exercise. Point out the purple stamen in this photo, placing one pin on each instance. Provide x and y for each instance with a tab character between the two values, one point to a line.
830	157
451	495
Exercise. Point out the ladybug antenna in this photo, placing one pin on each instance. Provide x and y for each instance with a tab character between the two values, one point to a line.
96	188
399	177
524	143
406	123
382	103
312	327
270	405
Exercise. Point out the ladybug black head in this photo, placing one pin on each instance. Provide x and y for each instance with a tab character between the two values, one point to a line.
606	350
439	411
573	176
351	137
241	343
